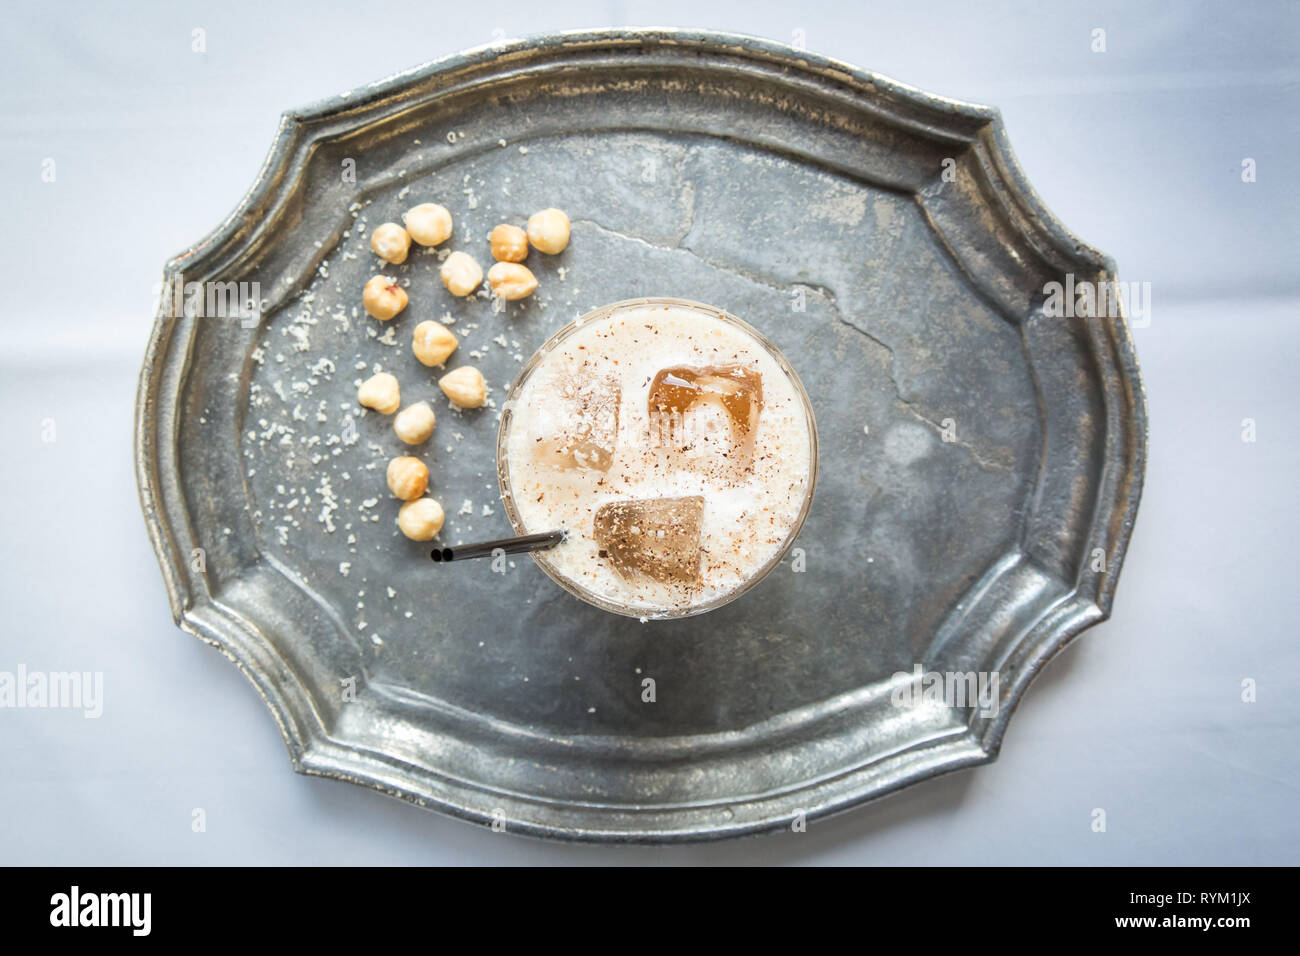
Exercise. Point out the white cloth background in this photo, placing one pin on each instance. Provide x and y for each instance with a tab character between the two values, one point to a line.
1138	149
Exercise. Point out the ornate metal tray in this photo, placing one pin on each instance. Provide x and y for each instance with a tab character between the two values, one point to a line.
981	455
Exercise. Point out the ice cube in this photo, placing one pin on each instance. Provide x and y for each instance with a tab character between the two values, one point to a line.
685	404
655	537
582	429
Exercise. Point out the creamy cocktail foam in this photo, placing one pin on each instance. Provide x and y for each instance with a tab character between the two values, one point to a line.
671	445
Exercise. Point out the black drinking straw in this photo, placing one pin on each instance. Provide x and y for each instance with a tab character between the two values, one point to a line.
528	542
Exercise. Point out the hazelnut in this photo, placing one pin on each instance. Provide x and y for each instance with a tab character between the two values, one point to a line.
381	393
414	423
509	243
548	231
383	298
511	281
464	386
420	519
432	342
461	274
407	478
390	242
428	223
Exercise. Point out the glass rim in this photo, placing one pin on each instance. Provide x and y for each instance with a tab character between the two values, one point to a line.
542	558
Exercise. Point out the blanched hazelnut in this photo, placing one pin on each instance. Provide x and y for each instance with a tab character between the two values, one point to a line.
548	231
383	298
420	519
414	423
509	243
407	477
428	223
390	242
432	342
461	274
511	280
464	386
381	393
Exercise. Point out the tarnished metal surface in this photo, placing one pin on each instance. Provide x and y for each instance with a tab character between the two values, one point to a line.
981	461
